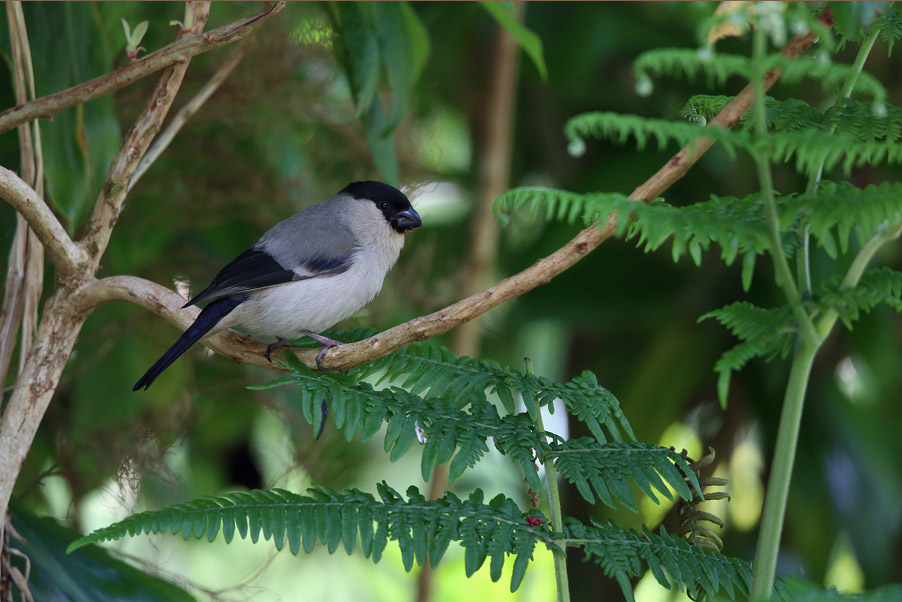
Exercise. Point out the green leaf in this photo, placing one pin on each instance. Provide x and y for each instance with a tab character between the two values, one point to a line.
382	145
362	46
398	58
531	43
418	35
91	575
79	143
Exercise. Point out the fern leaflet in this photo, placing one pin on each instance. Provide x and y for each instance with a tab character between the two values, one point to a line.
674	563
604	468
422	528
764	332
877	285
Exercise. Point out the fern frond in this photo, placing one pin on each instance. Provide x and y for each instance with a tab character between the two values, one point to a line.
437	372
559	205
876	286
810	148
619	128
357	406
890	24
864	122
718	67
687	63
605	468
623	555
845	208
455	417
738	226
857	119
691	517
764	332
422	528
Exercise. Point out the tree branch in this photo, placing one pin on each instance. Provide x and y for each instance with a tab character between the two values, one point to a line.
543	270
167	304
182	49
64	253
344	357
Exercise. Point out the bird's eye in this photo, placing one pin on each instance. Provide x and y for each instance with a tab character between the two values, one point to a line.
383	205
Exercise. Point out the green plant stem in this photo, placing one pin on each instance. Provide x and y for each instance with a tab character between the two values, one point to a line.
803	267
790	420
781	473
781	265
557	520
853	275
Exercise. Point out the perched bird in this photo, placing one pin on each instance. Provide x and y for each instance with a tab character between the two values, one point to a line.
306	273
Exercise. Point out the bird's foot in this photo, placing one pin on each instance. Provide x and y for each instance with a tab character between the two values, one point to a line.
281	343
327	344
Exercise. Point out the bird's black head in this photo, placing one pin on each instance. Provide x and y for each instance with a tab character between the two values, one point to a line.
395	207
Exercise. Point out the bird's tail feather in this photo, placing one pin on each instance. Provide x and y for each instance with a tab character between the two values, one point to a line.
208	318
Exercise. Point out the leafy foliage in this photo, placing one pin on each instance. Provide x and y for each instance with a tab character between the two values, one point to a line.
422	528
809	148
603	468
764	333
444	397
719	67
505	14
862	121
624	554
425	528
877	285
377	38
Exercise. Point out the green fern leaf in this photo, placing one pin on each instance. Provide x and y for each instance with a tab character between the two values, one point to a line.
422	528
604	468
876	286
764	332
622	555
842	208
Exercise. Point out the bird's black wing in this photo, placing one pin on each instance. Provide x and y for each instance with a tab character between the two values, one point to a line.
256	269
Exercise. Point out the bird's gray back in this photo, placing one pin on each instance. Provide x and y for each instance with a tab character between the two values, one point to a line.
317	232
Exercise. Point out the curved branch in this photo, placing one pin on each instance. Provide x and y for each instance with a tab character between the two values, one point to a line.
63	252
163	301
167	304
180	50
543	270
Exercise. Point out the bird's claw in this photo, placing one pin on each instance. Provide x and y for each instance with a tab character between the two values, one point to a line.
281	343
327	344
320	356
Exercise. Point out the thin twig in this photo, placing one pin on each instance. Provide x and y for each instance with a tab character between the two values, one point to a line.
186	113
180	50
34	260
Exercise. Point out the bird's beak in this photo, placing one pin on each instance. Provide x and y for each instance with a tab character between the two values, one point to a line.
407	220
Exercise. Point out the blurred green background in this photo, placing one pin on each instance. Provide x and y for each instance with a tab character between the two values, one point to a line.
281	134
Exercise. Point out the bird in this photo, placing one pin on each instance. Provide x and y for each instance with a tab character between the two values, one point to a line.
306	273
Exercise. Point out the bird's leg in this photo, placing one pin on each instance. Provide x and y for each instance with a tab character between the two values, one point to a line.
327	344
281	343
